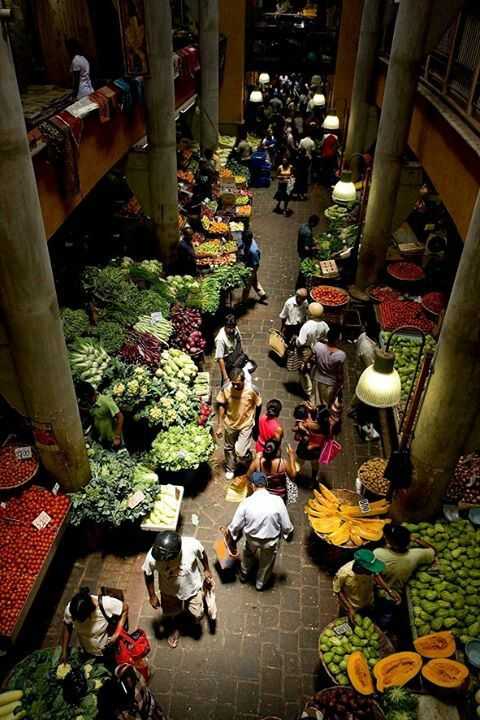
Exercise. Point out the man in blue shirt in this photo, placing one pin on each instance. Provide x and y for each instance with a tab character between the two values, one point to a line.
251	257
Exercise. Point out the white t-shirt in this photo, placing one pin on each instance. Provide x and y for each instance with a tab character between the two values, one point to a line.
182	577
308	145
224	345
261	516
292	313
80	64
311	332
92	633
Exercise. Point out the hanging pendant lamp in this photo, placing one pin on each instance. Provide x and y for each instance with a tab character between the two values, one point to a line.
256	96
345	191
379	385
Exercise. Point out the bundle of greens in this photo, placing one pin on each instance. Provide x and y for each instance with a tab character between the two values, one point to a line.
42	681
310	267
75	324
181	448
111	335
109	496
399	703
232	276
88	361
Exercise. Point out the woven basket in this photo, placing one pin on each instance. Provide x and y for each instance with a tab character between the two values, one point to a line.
346	496
378	713
385	647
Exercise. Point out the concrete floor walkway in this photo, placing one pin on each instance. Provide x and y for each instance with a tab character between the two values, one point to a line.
262	660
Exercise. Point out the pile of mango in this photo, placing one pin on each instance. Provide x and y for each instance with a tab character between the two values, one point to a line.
335	648
447	595
406	349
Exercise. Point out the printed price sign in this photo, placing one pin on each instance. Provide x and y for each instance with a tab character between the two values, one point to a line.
343	629
364	505
42	520
156	317
135	499
23	453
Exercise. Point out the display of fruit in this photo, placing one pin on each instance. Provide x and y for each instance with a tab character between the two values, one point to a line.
205	414
15	471
383	293
215	247
340	523
397	669
243	211
242	200
399	313
165	510
329	296
434	302
335	212
436	645
406	349
448	596
445	673
88	361
339	703
25	548
405	271
465	484
336	649
359	674
214	227
370	474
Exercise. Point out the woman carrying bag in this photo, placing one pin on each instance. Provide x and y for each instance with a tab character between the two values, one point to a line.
286	181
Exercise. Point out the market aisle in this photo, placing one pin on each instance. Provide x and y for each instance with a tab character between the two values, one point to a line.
262	660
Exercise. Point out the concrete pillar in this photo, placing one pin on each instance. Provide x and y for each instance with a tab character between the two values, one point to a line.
362	83
451	404
161	130
401	83
209	72
28	299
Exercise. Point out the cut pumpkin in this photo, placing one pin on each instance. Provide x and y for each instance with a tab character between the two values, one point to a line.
359	673
436	645
396	670
340	536
446	673
328	494
326	525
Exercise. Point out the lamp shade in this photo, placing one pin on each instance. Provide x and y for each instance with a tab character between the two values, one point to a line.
264	78
316	80
379	385
331	121
345	191
256	96
319	100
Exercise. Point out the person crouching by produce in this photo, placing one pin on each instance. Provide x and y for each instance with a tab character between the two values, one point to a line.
311	332
355	581
238	412
264	520
105	413
178	562
228	347
97	619
125	696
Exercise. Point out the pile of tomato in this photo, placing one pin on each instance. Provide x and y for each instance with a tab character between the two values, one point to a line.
15	472
383	293
434	302
329	296
24	549
399	313
405	271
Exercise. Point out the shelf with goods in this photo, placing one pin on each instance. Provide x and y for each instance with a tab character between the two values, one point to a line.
32	524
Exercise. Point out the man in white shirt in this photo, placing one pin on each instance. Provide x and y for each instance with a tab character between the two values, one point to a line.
177	561
263	519
294	314
228	346
311	332
308	145
98	621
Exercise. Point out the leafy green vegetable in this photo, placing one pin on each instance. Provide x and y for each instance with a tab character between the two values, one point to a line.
111	335
181	448
75	324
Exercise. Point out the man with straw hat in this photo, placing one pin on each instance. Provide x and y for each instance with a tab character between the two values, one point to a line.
312	331
355	581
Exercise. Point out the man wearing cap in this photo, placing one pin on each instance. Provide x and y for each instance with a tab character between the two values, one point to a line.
264	520
178	562
355	581
294	314
312	331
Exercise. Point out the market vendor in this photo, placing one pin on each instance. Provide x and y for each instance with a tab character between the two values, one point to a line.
178	562
399	558
97	619
238	412
305	237
355	581
186	259
106	415
294	314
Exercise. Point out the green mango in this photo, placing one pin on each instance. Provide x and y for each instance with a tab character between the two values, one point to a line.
359	631
342	679
328	657
437	623
334	669
449	622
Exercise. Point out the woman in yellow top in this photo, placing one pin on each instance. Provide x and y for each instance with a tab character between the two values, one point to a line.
284	175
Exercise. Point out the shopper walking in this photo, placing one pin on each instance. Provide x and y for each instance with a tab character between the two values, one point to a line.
294	314
284	176
178	562
269	427
312	430
238	411
307	144
264	520
278	470
313	330
305	243
328	367
228	347
302	168
251	258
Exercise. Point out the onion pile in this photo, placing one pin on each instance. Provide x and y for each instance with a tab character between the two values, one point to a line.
187	335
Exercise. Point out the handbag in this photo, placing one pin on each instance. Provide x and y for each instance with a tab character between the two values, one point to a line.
277	343
132	649
330	451
112	620
290	185
294	361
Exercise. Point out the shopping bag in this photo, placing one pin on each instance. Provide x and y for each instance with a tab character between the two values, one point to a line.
290	185
276	343
294	361
330	451
132	649
211	603
225	558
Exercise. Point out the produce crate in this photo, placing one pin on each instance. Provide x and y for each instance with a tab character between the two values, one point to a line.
179	490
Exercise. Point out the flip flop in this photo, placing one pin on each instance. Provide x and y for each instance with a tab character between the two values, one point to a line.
173	639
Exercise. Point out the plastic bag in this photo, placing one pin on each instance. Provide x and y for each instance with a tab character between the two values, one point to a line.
365	349
211	603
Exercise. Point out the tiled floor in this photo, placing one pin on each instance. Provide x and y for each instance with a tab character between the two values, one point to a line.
262	660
